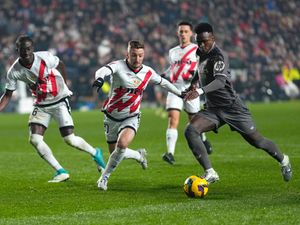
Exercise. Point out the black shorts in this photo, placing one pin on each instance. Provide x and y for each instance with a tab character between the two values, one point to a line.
237	116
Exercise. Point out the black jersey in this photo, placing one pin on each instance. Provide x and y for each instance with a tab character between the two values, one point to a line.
211	65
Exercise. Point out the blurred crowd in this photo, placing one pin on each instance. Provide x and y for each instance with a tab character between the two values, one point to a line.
261	37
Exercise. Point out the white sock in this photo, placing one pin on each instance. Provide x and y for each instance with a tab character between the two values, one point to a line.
171	136
44	151
79	143
132	154
203	137
114	160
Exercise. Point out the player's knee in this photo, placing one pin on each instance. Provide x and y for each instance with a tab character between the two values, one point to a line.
190	131
35	139
122	144
70	140
259	143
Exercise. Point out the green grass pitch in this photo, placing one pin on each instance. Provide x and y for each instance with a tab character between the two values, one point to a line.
250	191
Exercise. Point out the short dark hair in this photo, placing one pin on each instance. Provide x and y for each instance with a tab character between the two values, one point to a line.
203	27
136	44
186	23
22	38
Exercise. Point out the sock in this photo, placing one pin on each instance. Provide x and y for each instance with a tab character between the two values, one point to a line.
132	154
44	151
114	160
79	143
203	137
171	135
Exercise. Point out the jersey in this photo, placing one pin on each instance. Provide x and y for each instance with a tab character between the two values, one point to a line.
183	63
43	79
127	87
212	64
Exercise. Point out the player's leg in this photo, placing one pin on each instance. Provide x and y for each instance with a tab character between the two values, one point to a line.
38	122
171	135
192	107
174	105
260	142
203	138
198	125
66	126
124	139
140	154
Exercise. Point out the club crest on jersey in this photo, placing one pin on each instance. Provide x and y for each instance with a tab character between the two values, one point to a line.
219	66
136	82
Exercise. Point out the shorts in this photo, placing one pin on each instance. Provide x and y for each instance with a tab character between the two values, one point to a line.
237	116
112	128
175	102
60	112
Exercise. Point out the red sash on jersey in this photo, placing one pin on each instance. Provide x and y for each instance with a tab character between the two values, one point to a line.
117	103
42	83
185	76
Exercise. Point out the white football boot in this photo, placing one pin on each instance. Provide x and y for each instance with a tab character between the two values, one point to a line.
60	176
286	169
210	176
102	183
143	160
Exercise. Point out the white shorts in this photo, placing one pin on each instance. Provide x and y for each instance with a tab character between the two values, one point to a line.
112	128
60	112
175	102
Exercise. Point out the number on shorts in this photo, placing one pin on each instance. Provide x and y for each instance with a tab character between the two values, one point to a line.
106	128
35	111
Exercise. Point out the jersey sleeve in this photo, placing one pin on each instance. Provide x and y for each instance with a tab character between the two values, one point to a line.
220	66
11	83
157	79
107	70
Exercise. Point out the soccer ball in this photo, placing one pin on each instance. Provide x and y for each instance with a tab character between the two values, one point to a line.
195	187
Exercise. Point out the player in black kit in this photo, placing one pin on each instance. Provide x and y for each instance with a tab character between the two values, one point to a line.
223	106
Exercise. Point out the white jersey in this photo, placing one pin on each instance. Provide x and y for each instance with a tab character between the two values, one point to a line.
182	62
44	80
127	87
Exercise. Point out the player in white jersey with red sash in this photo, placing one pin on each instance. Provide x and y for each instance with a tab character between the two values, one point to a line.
45	75
129	79
183	63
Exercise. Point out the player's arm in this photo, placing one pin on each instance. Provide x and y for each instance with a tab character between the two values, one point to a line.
100	75
5	99
165	84
62	69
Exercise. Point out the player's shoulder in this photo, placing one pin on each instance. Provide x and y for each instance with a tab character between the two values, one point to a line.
218	54
13	67
174	49
116	63
43	54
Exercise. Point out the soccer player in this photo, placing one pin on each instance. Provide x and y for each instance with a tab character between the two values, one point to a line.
45	76
223	106
183	63
129	78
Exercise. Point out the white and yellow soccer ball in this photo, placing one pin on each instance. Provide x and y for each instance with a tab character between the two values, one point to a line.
195	187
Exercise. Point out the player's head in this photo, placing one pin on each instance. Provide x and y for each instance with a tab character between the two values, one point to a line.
135	54
184	32
24	47
204	36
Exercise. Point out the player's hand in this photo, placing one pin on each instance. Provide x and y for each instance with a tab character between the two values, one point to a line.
98	83
183	94
192	94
